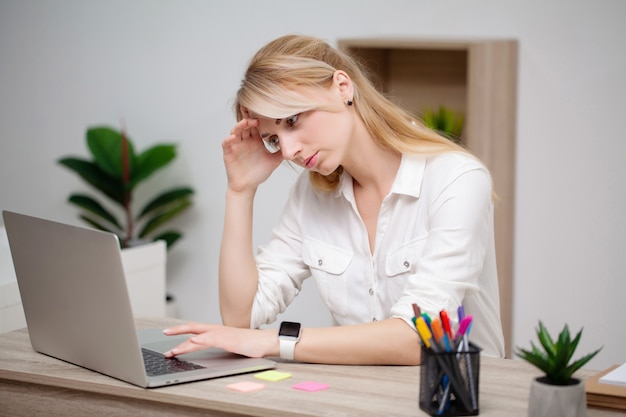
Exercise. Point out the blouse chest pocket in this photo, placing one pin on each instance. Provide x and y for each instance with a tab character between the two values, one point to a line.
404	259
324	257
328	265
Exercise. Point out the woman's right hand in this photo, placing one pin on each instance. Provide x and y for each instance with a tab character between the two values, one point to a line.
252	343
247	162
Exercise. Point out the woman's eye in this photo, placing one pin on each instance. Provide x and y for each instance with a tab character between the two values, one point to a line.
272	144
290	121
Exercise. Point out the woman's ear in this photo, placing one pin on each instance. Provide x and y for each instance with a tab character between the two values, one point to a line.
244	112
344	83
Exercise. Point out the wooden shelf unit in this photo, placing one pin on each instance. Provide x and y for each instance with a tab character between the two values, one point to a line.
475	77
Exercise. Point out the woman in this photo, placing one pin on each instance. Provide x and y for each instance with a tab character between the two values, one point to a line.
389	214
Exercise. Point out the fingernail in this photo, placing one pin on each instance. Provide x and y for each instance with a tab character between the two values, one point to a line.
166	331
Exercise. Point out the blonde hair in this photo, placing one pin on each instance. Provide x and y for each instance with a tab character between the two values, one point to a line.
281	73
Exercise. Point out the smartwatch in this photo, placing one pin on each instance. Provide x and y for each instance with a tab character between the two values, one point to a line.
288	336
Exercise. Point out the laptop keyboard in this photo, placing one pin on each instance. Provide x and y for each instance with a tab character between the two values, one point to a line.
157	364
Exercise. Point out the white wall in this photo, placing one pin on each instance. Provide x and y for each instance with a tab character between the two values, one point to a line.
169	69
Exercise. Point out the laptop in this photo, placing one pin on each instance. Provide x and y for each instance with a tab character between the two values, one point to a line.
77	308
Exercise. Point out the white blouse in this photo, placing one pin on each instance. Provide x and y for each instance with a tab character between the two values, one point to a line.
434	247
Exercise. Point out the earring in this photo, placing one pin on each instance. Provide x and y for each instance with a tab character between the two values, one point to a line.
349	102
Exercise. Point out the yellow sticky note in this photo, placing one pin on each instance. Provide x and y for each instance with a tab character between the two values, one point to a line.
272	376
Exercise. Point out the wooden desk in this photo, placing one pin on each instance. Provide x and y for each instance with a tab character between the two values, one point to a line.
32	384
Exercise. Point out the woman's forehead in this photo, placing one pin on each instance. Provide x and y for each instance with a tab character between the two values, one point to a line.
263	119
293	102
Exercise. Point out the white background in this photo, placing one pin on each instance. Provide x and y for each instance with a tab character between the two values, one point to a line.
170	69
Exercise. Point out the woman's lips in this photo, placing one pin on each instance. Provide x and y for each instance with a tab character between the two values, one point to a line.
310	162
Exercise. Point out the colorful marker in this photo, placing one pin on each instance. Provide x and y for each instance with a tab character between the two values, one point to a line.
416	313
416	310
438	334
463	330
427	320
425	334
445	322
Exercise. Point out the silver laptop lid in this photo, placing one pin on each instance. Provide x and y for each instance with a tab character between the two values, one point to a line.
74	295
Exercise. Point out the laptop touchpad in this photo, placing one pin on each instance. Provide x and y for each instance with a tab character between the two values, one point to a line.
156	341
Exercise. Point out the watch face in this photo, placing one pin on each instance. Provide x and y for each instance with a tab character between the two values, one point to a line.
290	329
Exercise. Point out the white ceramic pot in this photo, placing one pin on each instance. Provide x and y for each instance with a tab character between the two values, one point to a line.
144	267
557	400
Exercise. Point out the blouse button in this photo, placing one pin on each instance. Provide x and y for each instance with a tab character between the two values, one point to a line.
320	262
371	291
374	319
406	264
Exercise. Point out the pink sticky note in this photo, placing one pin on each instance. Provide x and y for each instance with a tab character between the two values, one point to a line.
246	386
310	386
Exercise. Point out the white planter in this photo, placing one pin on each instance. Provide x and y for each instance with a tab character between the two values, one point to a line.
144	267
557	400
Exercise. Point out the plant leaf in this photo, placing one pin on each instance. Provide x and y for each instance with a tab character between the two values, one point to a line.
428	118
546	340
105	145
569	371
96	177
158	220
574	343
91	205
170	237
152	160
535	357
95	224
562	350
165	199
569	345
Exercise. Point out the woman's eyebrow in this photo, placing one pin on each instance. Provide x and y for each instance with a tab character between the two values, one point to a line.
277	121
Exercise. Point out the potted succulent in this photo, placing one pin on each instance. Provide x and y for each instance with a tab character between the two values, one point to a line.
557	393
115	171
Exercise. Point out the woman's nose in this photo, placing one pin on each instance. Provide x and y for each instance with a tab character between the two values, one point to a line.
289	147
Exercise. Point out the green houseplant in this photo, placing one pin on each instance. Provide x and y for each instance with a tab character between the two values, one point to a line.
557	393
445	121
555	358
116	170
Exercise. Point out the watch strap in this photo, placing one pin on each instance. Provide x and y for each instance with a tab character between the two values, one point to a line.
287	348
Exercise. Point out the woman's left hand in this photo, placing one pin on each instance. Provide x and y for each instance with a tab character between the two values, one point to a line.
253	343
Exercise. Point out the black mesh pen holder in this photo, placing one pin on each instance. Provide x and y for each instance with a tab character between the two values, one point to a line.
449	382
